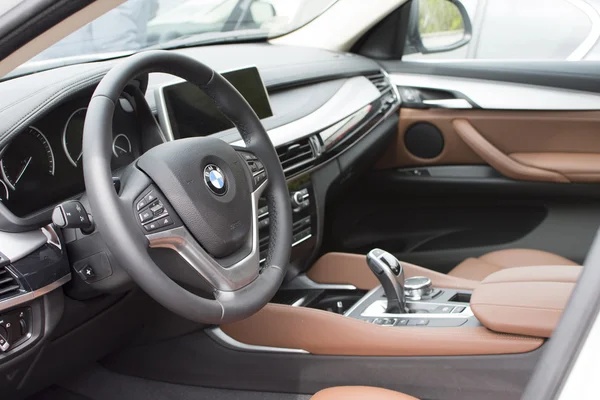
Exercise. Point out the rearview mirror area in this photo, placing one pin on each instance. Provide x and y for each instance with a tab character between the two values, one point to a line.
437	26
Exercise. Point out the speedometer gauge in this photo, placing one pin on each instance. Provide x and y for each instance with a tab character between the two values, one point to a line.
27	160
72	138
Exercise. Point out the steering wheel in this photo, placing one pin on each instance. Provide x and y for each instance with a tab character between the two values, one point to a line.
197	196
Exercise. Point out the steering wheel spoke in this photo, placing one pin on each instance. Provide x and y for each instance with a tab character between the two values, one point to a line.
225	274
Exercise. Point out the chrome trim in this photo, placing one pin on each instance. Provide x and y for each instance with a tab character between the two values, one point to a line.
64	137
51	236
18	245
304	282
449	103
163	116
382	304
589	42
378	307
495	95
302	240
225	279
29	296
355	94
224	339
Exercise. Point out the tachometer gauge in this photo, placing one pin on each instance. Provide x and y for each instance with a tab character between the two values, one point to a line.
4	195
121	145
28	159
72	138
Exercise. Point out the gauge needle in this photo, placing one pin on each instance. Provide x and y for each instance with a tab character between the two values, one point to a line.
79	158
120	148
23	170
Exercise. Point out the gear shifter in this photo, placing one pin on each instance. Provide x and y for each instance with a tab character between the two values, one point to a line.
390	273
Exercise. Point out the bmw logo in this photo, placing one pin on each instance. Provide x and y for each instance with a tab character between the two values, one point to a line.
215	179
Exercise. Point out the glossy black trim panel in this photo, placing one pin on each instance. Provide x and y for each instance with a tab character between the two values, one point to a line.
575	75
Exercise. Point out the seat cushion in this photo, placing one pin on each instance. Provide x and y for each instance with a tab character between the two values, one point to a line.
478	268
359	393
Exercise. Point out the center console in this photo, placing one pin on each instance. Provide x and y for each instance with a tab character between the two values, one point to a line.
303	215
352	305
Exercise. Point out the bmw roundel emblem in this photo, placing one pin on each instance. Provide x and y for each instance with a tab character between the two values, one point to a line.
215	179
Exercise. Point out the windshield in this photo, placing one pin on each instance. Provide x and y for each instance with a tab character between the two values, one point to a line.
141	24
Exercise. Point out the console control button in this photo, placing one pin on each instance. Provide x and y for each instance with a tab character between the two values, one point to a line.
443	310
385	321
458	310
418	322
402	321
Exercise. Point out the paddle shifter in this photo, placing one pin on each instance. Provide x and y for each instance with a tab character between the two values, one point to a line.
390	273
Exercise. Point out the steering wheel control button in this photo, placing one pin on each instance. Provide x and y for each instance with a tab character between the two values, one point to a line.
152	226
259	179
166	221
146	216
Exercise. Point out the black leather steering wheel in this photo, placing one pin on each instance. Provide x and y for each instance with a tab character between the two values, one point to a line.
208	195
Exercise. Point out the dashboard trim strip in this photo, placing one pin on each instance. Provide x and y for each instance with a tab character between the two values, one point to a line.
224	339
30	296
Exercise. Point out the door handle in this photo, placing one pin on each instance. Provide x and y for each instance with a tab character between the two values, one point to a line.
448	103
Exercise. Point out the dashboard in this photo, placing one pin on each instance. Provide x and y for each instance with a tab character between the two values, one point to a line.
325	112
42	165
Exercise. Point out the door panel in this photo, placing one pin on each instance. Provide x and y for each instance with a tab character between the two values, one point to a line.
472	180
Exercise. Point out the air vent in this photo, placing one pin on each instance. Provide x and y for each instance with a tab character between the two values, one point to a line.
380	81
8	284
298	156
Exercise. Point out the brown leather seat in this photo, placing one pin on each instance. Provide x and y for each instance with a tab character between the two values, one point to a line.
359	393
480	267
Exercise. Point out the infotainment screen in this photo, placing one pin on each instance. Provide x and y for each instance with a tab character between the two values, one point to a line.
190	112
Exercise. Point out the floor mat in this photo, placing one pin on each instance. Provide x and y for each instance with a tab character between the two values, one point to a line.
98	383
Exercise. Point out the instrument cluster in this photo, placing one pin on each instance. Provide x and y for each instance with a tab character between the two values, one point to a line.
42	165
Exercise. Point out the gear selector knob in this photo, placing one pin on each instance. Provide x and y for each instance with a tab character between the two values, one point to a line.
390	273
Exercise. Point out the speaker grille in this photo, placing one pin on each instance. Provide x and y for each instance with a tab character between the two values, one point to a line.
424	140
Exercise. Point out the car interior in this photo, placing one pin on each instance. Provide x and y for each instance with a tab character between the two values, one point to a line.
257	219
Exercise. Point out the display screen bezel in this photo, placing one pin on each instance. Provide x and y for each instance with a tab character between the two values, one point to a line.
210	120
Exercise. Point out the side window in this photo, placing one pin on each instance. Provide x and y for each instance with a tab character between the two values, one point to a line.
503	29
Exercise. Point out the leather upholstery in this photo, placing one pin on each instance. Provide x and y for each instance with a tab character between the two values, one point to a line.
326	333
360	393
526	300
479	268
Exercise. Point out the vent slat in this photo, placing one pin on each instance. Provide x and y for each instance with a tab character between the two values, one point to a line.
296	157
8	284
380	81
